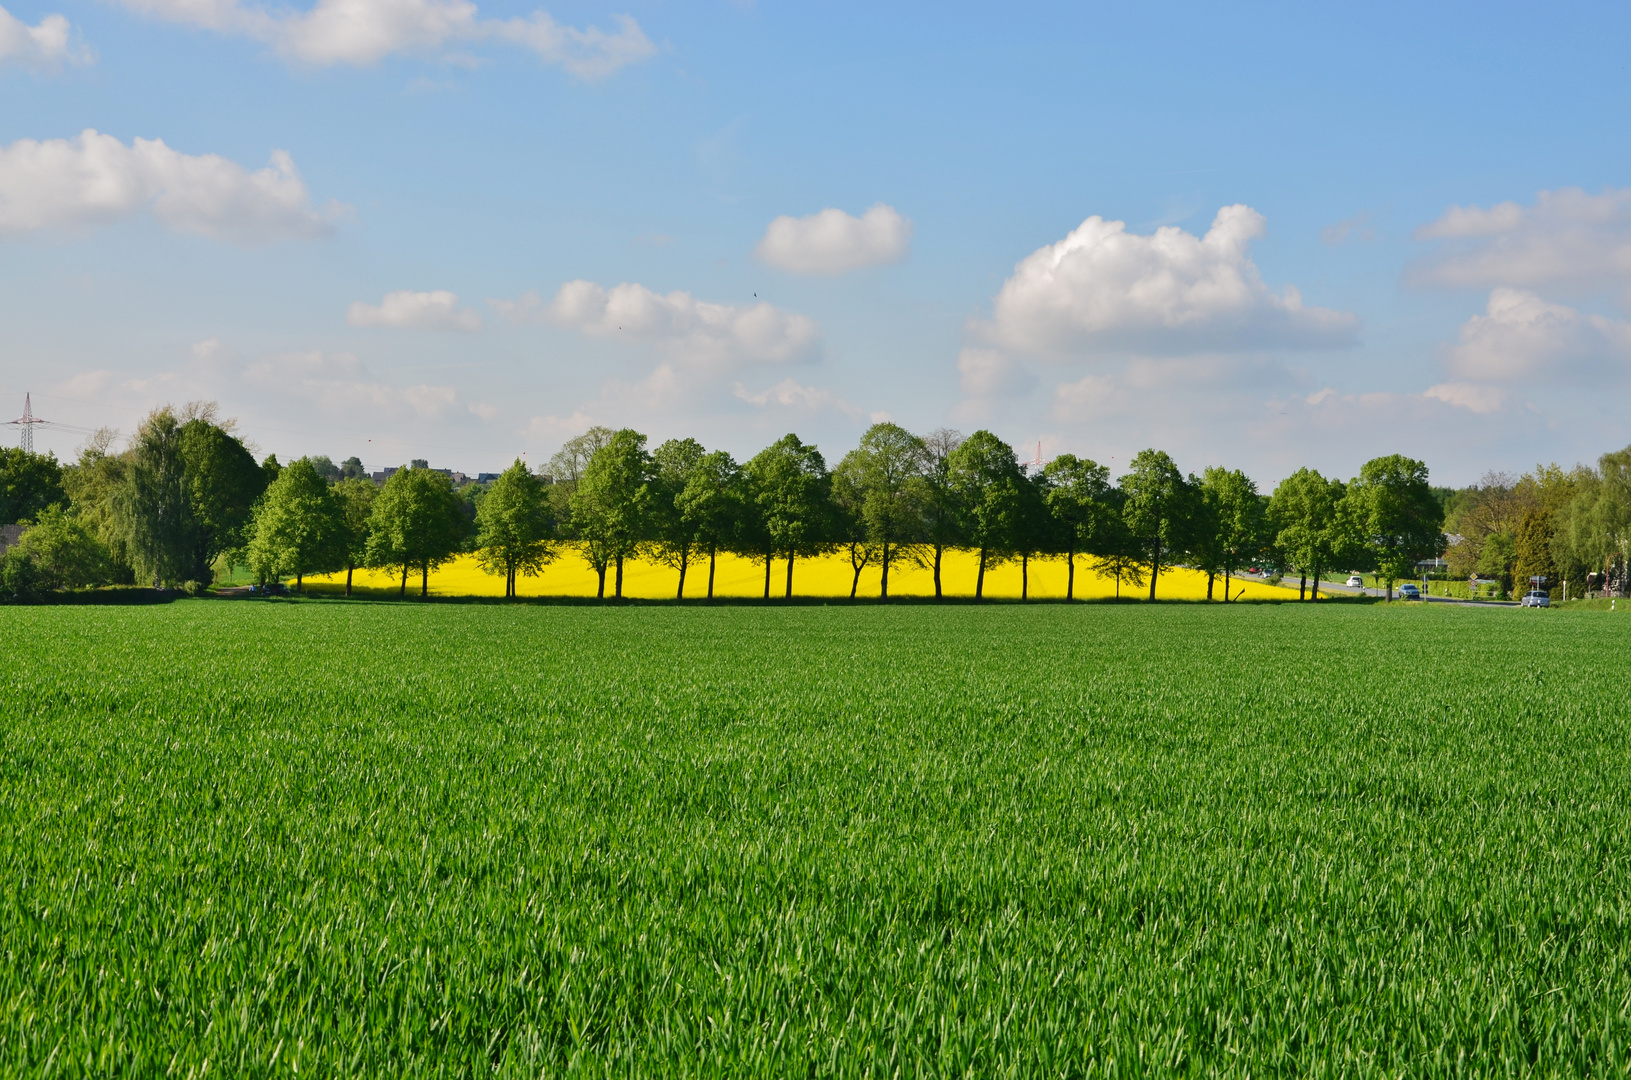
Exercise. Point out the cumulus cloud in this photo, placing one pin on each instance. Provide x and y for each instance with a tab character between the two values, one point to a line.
50	42
339	384
1521	335
95	178
687	328
831	242
1566	236
789	394
408	310
363	32
1104	288
988	373
1478	399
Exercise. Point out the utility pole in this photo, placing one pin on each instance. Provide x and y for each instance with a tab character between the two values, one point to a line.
26	423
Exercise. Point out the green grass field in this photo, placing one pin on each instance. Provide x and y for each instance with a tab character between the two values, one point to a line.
320	838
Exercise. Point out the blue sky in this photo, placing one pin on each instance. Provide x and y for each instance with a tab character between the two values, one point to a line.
464	231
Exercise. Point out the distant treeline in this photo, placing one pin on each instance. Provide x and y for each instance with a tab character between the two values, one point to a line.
185	497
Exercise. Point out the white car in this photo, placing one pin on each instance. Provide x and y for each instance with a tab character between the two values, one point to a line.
1408	591
1355	581
1535	598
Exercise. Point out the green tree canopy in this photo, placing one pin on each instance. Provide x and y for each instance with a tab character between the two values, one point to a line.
1078	498
789	484
417	521
986	482
65	553
942	517
1311	529
356	496
1232	529
152	506
676	539
882	486
712	505
222	483
1157	508
28	484
1398	518
299	526
611	504
513	526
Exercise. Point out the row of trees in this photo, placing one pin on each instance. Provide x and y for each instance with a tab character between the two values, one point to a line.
186	495
1558	525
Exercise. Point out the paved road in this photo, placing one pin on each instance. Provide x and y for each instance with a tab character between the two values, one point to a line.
1328	588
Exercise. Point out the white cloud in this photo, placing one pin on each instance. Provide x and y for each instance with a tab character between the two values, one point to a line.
1521	335
94	178
1568	235
988	373
1358	227
687	328
1088	397
789	394
43	45
339	384
365	31
1479	399
1104	288
831	242
408	310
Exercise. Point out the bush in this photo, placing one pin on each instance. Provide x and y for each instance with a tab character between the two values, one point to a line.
191	588
20	578
64	552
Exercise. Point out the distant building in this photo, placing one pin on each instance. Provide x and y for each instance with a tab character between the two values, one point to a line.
486	477
9	535
383	475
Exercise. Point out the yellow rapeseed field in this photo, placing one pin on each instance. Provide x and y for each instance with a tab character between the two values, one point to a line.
821	576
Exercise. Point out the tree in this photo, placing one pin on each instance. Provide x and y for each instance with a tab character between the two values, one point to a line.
942	519
28	484
566	468
1118	552
351	469
712	504
1311	529
985	478
1593	534
1078	498
789	484
611	505
65	554
92	485
1233	525
1397	515
152	506
270	467
416	521
1036	533
513	526
299	526
356	495
677	539
880	484
222	482
1157	508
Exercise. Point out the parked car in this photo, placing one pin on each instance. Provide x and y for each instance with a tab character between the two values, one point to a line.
1408	591
1355	581
1535	598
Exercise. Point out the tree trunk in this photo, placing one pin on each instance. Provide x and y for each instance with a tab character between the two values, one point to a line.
711	553
1155	568
1024	577
979	582
600	589
620	577
1209	576
424	579
348	569
883	591
1227	584
685	560
854	582
1070	575
1302	587
790	556
938	549
404	579
299	581
767	575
